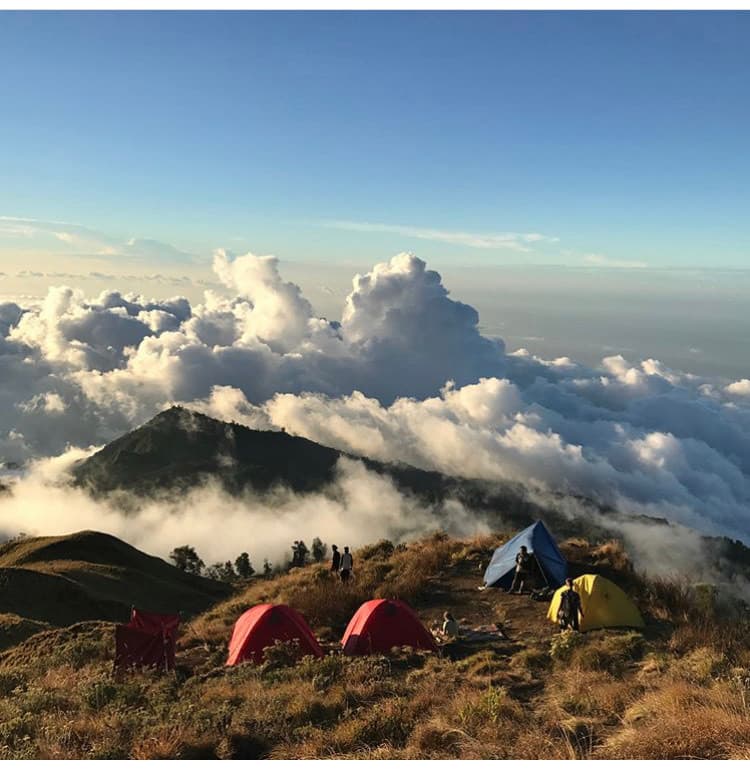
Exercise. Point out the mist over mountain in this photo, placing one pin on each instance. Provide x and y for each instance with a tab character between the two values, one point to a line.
181	451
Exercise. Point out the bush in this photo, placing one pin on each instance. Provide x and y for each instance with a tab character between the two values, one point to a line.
609	651
532	658
281	654
474	712
382	550
99	694
10	680
322	673
564	643
699	666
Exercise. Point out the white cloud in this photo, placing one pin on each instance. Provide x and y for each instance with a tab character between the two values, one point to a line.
406	375
82	241
517	241
739	388
359	507
599	259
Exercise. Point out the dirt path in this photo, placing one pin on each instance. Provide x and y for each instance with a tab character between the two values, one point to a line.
523	620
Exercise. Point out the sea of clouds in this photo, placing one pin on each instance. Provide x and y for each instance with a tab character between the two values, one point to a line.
405	375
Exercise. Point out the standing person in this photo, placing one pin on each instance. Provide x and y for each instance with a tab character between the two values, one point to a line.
570	611
335	559
523	568
347	563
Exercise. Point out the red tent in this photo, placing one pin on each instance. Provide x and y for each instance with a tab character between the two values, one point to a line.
147	640
380	625
262	626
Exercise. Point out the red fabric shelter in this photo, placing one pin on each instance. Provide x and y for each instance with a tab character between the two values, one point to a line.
380	625
262	626
147	640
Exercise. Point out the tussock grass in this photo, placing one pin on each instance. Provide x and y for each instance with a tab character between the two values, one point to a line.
679	689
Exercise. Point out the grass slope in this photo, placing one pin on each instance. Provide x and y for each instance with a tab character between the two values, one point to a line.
677	690
61	580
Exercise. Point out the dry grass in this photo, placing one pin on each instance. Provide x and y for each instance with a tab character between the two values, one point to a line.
681	721
681	689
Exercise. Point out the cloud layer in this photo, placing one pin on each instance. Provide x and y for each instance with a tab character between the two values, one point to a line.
359	507
404	375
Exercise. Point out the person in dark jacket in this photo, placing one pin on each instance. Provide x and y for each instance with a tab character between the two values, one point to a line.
570	612
523	569
335	559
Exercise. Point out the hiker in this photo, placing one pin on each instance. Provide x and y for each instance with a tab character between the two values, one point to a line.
570	611
523	567
335	559
450	626
346	565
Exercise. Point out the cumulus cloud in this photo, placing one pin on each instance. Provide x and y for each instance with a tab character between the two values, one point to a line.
740	388
404	375
639	451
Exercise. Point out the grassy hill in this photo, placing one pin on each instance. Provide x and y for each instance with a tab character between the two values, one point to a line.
61	580
679	689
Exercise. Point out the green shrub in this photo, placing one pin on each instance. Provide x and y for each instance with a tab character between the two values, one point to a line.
322	673
281	654
382	550
612	652
490	707
533	659
10	680
99	694
564	643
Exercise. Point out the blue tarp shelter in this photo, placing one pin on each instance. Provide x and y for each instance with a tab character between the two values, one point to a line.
539	542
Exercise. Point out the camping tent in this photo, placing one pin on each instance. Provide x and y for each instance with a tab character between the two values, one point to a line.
147	640
604	604
262	626
539	542
380	625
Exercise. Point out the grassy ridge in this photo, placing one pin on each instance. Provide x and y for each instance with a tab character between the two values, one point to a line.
61	580
679	689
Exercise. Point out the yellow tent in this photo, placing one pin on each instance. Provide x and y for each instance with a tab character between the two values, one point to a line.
604	604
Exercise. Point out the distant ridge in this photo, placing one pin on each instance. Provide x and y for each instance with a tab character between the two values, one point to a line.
180	449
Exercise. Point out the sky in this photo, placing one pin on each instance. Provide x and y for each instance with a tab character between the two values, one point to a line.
511	246
590	168
487	137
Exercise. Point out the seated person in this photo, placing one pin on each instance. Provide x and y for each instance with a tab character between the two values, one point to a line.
450	626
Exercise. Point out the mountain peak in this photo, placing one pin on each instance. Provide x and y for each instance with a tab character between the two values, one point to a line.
180	448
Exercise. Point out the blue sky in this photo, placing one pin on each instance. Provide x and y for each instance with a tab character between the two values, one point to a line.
592	139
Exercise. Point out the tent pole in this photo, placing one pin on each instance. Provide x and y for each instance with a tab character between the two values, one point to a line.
541	570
